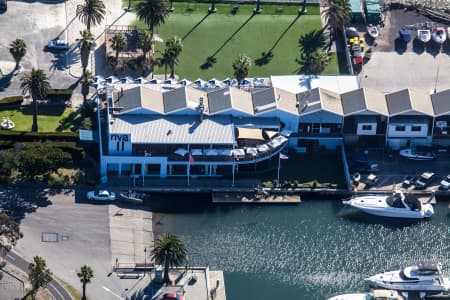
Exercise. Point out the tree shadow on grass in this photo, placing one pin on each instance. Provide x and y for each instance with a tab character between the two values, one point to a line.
265	58
311	41
46	110
195	26
210	61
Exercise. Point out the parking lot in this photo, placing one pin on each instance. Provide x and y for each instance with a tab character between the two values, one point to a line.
415	65
393	169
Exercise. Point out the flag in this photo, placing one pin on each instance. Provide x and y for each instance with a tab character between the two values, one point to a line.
191	159
282	156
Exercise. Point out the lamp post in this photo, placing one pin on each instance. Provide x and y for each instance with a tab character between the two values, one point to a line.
145	260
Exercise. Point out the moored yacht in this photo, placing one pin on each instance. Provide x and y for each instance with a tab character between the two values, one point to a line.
423	276
374	295
418	153
397	205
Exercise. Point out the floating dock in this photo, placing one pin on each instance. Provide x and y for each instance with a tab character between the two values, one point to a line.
232	197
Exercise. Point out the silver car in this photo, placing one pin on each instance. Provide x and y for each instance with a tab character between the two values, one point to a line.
101	195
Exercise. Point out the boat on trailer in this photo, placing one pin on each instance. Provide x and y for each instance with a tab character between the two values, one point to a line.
372	30
424	35
439	35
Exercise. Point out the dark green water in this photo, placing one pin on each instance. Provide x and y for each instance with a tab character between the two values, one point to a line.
310	251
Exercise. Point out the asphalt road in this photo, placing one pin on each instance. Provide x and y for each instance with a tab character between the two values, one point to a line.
56	289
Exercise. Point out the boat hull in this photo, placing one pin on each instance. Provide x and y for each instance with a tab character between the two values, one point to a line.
356	296
400	286
408	153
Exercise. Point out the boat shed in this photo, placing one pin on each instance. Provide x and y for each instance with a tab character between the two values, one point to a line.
357	12
373	12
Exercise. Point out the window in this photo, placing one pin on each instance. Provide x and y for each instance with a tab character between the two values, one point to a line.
416	128
400	128
367	127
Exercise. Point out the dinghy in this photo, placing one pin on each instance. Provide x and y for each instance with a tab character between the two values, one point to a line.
439	35
373	31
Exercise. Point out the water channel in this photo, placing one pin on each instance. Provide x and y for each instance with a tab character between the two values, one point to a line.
308	251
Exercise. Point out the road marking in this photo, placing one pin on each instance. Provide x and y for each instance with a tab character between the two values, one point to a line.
56	290
111	292
9	255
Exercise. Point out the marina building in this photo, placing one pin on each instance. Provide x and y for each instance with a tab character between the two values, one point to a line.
215	128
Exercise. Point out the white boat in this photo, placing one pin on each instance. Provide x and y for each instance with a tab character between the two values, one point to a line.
373	31
396	205
7	123
439	35
423	276
132	196
424	35
374	295
418	153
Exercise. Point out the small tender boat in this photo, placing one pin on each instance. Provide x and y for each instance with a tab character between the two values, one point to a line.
374	295
132	196
373	31
418	153
7	123
397	205
423	276
424	35
439	35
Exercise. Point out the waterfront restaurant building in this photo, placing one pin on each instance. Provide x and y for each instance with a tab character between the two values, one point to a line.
214	128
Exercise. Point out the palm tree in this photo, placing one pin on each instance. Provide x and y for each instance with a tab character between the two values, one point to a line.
164	61
85	42
91	13
144	43
241	67
337	14
118	43
257	9
18	49
316	62
153	13
36	84
38	274
174	47
169	251
85	83
85	275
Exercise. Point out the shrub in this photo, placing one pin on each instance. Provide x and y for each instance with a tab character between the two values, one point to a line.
12	100
25	136
59	95
56	180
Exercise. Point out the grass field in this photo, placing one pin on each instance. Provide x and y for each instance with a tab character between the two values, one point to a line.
48	118
224	35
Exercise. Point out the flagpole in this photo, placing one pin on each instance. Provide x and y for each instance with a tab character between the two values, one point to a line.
189	172
232	171
279	167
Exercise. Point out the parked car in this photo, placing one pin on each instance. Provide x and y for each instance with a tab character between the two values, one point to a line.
101	195
173	296
423	180
445	183
408	180
3	5
58	44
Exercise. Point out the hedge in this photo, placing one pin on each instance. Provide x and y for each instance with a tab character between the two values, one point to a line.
12	100
59	95
26	136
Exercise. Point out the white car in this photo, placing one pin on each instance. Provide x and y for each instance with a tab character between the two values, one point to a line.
58	44
101	195
445	183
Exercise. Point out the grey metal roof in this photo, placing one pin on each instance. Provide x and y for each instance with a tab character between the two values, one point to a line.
264	100
130	99
175	129
409	100
353	101
441	103
219	100
174	100
319	99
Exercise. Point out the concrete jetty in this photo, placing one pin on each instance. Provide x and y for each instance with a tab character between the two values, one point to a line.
236	197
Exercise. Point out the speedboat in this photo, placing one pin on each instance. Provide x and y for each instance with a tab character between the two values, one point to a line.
374	295
373	31
397	205
423	276
132	196
424	35
418	153
439	35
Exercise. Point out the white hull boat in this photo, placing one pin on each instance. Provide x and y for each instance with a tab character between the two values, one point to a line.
424	35
132	196
374	295
423	276
396	205
439	35
373	31
417	155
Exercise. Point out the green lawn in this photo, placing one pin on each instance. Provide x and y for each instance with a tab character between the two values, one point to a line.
224	35
48	118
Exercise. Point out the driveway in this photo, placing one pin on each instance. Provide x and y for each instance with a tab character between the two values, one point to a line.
395	65
36	23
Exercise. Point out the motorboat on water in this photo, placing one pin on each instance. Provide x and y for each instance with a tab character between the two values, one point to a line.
397	205
439	35
372	30
374	295
422	276
132	196
418	153
424	35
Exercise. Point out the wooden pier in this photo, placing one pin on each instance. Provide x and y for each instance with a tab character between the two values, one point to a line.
236	197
